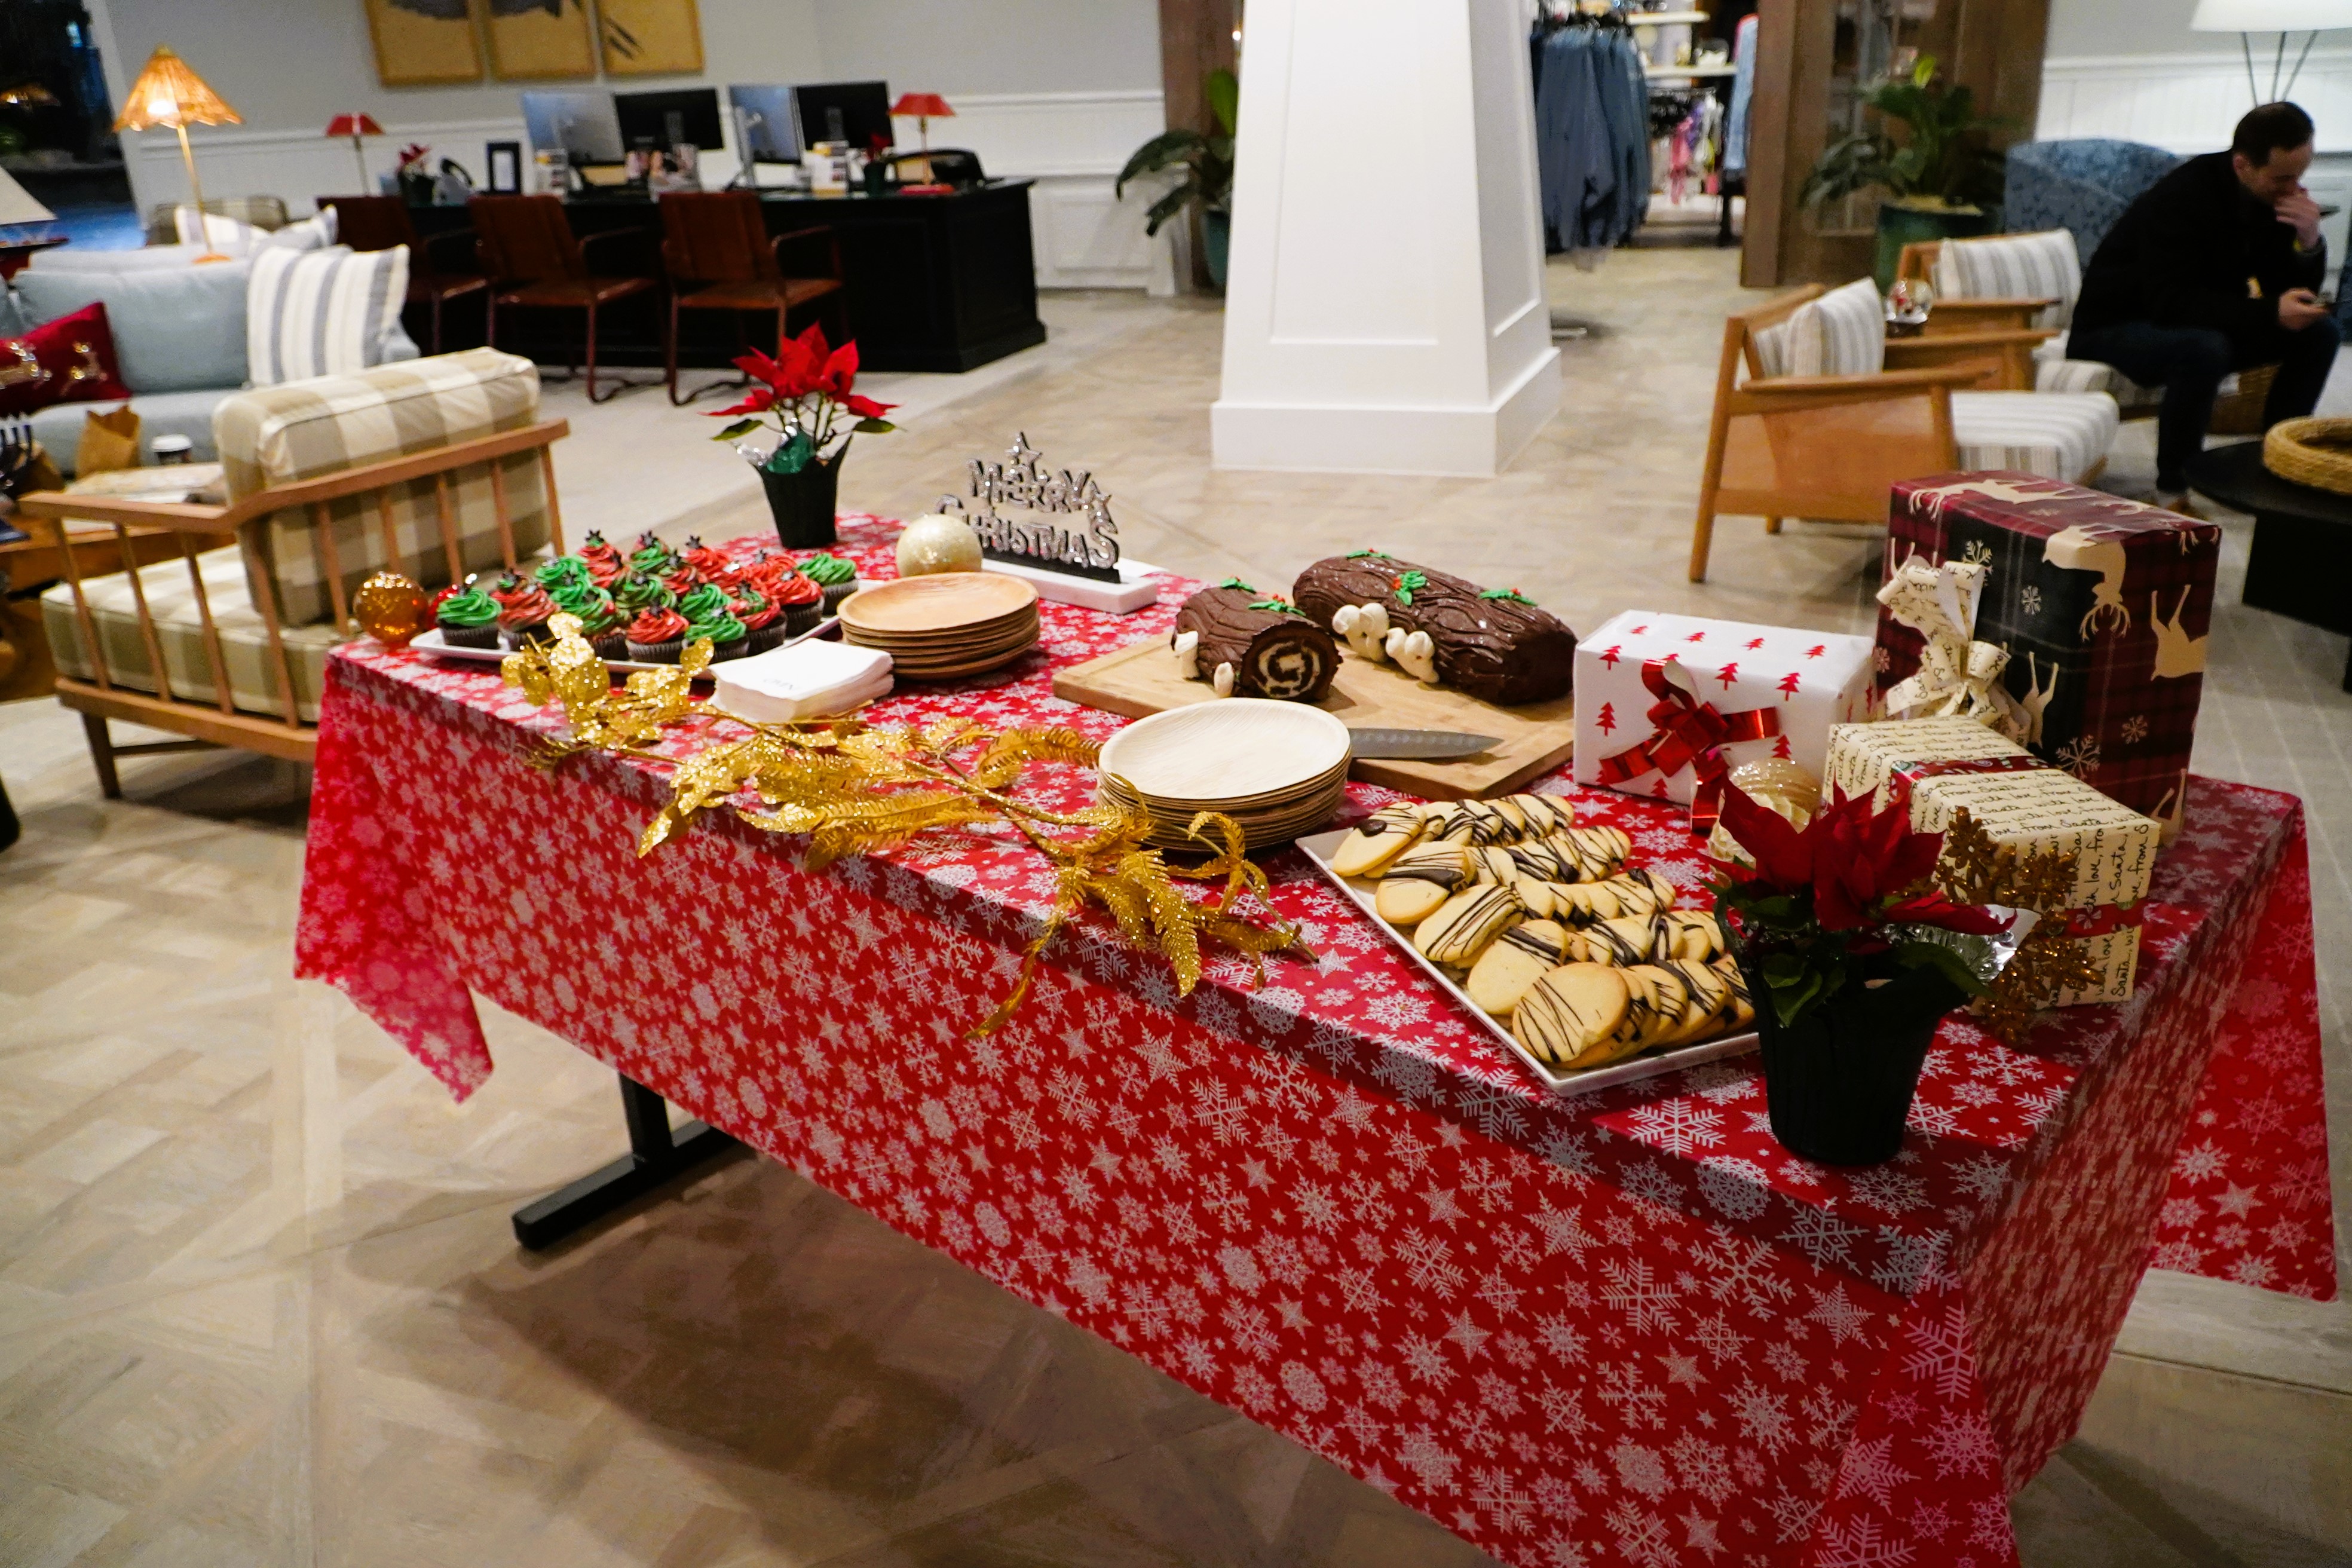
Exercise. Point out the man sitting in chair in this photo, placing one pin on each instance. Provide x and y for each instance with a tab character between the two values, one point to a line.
2213	270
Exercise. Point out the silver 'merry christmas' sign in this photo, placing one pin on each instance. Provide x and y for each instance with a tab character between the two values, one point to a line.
1036	539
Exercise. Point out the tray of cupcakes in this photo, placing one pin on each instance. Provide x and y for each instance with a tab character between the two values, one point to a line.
1584	967
640	609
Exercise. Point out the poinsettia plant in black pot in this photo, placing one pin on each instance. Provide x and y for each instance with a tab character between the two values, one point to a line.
1853	957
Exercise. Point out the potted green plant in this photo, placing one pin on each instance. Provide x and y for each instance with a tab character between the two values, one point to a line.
806	391
1208	179
1943	180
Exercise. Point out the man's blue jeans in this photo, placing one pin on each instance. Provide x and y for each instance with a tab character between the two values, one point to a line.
2189	363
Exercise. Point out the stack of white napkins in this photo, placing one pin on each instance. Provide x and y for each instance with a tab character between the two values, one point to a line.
806	681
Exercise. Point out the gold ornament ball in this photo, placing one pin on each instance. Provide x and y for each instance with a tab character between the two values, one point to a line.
936	543
392	608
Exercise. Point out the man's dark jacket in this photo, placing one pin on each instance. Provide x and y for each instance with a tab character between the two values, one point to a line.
2182	254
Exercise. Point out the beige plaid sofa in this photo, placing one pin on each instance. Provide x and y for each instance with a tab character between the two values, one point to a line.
274	437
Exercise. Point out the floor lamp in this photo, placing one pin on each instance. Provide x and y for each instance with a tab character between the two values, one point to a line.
2281	16
168	93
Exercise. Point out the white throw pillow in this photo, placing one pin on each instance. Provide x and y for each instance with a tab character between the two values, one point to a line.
2044	266
311	234
1843	332
224	235
322	313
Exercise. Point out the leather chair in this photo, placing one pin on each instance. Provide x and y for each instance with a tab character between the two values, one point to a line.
537	263
719	257
380	223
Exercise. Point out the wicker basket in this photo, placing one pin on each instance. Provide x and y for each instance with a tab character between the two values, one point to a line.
2314	452
2241	413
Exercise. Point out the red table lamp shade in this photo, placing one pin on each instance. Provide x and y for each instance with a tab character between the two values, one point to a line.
353	125
922	106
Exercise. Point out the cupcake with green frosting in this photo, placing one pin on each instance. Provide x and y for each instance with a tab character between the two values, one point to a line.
653	557
763	620
468	619
601	620
835	577
563	572
701	602
641	591
728	638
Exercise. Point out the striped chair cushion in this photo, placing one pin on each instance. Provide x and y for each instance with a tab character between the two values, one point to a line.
2014	267
2054	372
321	312
179	630
1775	347
276	436
2056	435
1843	332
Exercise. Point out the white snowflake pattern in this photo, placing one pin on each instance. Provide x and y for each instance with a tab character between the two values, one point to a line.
1426	1456
2080	756
1646	1302
1858	1542
1679	1127
2135	729
1835	1311
1940	1352
2029	599
1823	1236
1702	1467
1870	1471
1428	1261
1641	1536
1493	1494
1963	1445
2201	1163
1763	1415
1641	1470
1887	1189
1735	1188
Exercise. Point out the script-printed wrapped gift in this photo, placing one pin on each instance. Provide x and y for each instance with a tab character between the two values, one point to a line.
1667	705
1943	765
2103	606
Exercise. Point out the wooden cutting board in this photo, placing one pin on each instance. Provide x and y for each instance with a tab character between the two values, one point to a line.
1140	680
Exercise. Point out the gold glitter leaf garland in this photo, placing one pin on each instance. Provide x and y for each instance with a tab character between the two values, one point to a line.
853	788
1977	869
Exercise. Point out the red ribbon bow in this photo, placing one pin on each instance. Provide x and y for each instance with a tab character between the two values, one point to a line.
1688	733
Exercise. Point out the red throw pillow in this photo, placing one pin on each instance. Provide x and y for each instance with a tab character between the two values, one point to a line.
69	360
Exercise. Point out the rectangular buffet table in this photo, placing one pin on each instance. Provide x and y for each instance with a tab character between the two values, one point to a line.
1624	1324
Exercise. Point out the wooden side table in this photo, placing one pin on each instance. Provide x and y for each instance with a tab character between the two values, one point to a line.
32	563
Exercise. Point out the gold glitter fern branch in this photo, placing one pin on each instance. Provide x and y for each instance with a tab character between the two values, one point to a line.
853	788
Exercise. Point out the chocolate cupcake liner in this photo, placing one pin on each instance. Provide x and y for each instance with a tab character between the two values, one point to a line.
772	634
615	646
517	637
470	637
656	652
799	618
725	650
834	593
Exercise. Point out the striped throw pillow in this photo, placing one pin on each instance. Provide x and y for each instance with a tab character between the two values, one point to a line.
321	312
2014	267
1843	332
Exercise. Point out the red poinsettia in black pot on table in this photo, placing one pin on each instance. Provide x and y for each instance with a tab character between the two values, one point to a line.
806	391
1852	958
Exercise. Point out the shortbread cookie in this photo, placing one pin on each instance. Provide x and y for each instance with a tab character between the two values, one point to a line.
1742	1006
1459	931
1421	880
1547	858
1626	941
1710	996
1582	903
1515	961
1381	839
1544	813
1694	935
1571	1013
1659	998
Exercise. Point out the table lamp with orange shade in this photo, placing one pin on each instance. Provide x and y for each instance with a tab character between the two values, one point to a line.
922	108
168	93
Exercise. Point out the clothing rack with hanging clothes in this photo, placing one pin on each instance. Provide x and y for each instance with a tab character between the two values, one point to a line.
1592	130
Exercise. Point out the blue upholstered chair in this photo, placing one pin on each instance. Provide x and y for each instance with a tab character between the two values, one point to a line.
2081	186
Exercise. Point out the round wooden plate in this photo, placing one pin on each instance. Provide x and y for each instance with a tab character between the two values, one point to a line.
944	602
1238	748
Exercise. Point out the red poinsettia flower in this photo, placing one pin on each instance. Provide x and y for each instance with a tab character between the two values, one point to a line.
866	407
758	400
1932	909
1849	856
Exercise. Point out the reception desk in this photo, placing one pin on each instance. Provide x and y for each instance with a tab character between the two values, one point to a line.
935	283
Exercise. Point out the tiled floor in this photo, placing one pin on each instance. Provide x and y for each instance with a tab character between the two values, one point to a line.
259	1302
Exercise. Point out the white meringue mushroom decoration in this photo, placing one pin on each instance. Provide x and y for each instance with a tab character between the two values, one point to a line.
1414	653
1223	680
936	543
1365	629
1187	649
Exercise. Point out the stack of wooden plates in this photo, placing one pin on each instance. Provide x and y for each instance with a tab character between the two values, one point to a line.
936	627
1279	769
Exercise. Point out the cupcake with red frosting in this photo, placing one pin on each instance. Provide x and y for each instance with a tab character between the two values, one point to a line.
523	609
657	635
604	564
763	618
802	601
712	563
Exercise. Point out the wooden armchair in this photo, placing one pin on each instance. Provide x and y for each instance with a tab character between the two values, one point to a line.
226	641
1830	447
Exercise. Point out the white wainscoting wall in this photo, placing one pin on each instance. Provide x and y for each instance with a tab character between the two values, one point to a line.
1072	144
2190	104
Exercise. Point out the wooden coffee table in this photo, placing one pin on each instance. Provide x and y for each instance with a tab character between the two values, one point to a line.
2300	563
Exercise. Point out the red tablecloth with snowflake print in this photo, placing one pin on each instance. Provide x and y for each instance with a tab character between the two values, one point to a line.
1625	1328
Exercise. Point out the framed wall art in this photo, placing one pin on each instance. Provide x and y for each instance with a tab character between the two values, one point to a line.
423	42
540	41
650	38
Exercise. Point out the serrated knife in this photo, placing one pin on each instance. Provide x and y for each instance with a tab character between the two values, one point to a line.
1419	745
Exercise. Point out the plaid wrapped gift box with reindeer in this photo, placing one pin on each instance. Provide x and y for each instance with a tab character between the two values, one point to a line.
2103	605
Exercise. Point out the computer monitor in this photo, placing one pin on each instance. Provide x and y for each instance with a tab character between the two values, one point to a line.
851	111
581	125
671	119
763	118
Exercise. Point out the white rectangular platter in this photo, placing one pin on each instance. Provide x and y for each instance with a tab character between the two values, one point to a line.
1319	850
430	642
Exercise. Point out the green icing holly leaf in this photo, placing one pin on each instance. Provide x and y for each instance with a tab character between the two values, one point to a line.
1511	594
1360	554
1283	606
1407	583
1237	582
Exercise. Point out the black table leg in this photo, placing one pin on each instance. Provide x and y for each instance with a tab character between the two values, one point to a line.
655	1156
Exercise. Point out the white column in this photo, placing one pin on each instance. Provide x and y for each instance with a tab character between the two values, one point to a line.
1385	302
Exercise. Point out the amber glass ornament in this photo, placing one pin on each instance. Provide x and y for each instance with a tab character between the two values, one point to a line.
392	608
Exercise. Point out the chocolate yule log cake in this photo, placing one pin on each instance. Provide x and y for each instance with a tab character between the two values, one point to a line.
1492	643
1248	644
